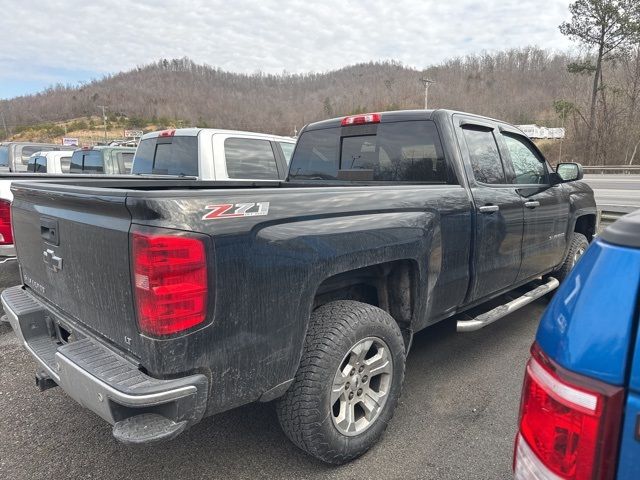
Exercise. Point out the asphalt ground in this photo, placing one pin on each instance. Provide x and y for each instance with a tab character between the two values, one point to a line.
456	420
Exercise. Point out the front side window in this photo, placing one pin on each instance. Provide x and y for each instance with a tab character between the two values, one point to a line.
250	158
484	155
528	167
387	152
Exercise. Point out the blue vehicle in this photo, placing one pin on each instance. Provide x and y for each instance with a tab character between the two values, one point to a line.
580	407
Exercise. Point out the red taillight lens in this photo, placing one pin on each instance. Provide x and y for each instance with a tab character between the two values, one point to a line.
170	282
361	119
568	424
6	236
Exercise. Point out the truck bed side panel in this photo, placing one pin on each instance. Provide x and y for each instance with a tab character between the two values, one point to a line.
268	267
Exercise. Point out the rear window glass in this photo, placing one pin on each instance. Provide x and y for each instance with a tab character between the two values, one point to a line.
386	152
86	161
37	164
167	156
250	158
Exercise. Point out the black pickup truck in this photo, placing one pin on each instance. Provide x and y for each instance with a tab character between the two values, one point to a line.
155	303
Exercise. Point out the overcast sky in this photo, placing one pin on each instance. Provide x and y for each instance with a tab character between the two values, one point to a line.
67	41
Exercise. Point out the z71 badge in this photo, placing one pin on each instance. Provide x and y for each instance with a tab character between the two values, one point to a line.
234	210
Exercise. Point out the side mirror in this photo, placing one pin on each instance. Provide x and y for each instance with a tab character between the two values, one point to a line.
569	172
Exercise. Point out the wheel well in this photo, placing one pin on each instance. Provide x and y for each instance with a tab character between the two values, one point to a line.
586	225
390	286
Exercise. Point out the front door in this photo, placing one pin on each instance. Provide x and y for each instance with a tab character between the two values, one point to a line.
499	211
546	207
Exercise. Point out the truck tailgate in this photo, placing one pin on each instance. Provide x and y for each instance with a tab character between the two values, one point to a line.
74	253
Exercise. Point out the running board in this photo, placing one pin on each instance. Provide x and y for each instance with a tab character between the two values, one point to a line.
497	313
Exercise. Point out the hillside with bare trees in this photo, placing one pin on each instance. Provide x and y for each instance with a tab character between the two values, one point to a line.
521	86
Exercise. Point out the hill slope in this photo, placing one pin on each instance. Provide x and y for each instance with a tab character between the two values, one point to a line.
519	86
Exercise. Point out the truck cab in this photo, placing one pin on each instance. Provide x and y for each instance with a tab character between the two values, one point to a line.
102	159
213	154
14	156
50	162
580	407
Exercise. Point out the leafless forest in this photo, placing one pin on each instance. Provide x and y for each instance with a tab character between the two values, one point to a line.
521	86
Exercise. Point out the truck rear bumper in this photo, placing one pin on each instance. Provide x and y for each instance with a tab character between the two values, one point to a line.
7	251
142	409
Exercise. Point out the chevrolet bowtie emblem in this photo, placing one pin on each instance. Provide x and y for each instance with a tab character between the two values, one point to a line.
51	260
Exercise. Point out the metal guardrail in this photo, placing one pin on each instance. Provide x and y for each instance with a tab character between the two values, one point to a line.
611	169
607	217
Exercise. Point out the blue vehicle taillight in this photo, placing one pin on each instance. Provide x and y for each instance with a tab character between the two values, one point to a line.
569	424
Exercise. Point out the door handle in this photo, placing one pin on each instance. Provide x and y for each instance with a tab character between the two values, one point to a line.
489	208
532	204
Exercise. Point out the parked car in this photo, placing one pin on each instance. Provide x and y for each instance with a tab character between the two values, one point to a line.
580	409
50	162
155	304
212	154
102	159
15	155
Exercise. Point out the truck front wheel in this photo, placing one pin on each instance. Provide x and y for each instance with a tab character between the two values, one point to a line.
348	382
579	245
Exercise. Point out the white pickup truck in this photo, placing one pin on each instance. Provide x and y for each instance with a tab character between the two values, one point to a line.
213	154
50	162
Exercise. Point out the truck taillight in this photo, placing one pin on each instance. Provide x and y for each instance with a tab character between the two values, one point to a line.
170	282
569	424
6	236
361	119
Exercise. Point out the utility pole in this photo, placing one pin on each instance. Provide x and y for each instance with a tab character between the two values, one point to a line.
426	82
104	121
4	122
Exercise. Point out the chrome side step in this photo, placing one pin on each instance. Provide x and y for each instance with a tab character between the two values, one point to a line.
497	313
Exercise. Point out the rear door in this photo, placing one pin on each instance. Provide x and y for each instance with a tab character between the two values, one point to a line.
546	207
497	252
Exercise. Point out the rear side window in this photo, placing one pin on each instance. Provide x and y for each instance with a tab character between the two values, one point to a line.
387	152
484	155
37	164
167	156
126	160
250	158
287	150
65	164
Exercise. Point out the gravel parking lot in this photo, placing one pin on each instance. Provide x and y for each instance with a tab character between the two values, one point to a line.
456	420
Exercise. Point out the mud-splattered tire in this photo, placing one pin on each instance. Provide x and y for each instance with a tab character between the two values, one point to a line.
579	245
348	382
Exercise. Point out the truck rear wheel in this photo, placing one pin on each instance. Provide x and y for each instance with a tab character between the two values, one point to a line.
348	382
579	245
